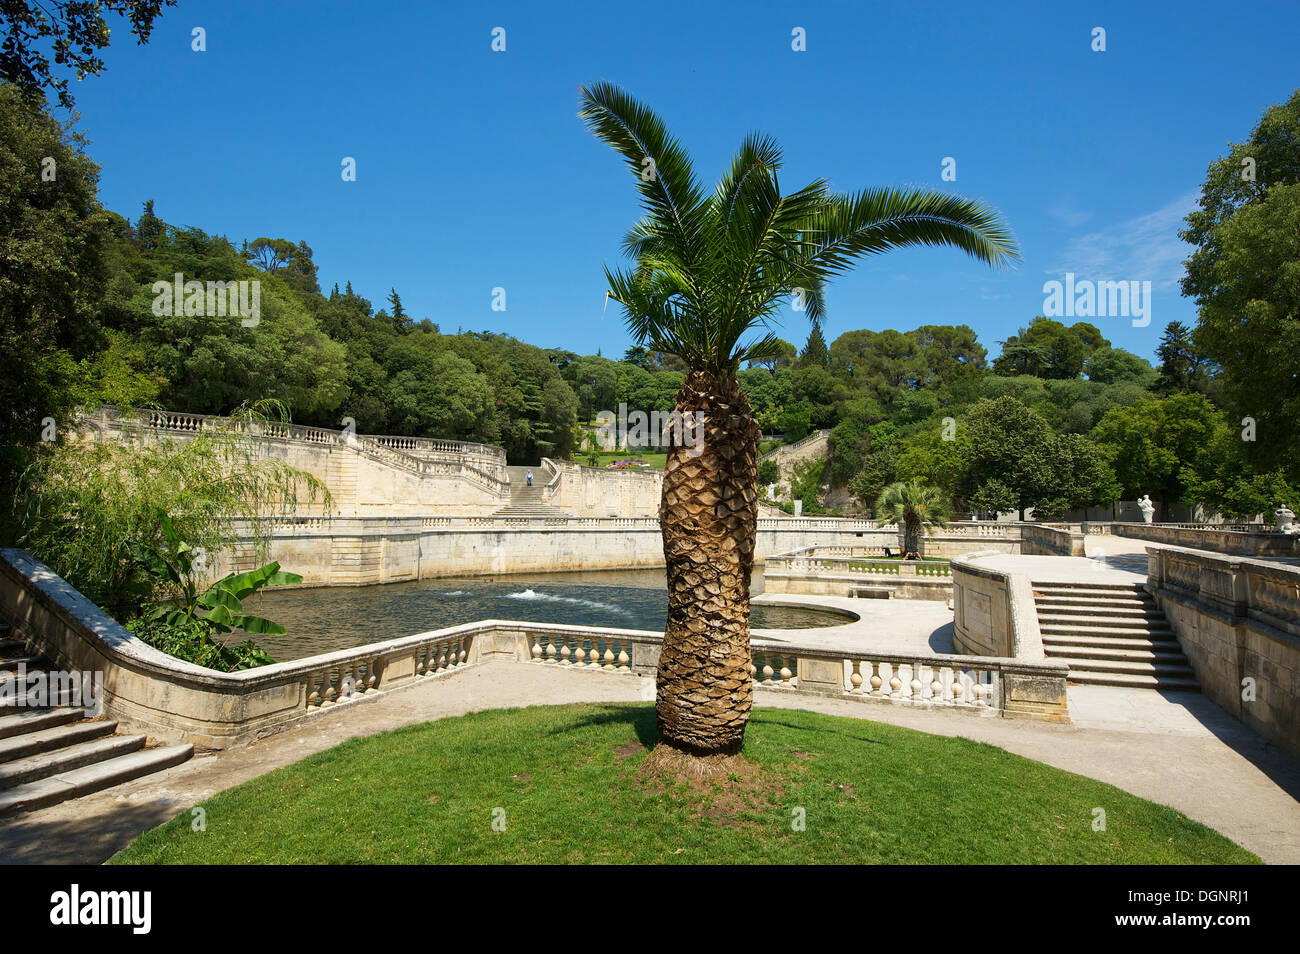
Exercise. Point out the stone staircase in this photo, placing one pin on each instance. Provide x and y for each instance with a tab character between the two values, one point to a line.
1111	634
51	753
526	501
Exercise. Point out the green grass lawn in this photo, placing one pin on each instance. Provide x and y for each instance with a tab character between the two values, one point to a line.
569	784
654	461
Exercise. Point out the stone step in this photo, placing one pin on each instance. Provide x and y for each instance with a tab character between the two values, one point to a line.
91	778
1091	590
21	771
43	740
1112	642
1086	677
1098	609
1145	654
33	720
1131	610
1153	621
1131	667
1104	629
63	697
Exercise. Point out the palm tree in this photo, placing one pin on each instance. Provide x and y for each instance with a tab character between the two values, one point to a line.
710	271
916	508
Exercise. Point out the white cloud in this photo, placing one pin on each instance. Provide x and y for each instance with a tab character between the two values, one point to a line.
1145	248
1065	212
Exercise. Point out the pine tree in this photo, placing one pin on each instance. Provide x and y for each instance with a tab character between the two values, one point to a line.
149	228
400	318
815	351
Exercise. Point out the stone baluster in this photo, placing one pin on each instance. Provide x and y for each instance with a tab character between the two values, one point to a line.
330	692
315	684
855	676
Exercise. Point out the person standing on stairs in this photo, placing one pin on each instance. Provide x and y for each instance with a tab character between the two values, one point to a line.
529	478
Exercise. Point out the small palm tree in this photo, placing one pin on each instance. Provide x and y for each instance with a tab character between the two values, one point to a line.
916	508
710	271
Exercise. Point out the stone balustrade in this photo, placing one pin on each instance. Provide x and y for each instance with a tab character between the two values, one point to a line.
1007	687
843	570
1239	539
481	464
149	691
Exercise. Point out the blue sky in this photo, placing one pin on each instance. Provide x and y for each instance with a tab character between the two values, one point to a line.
473	171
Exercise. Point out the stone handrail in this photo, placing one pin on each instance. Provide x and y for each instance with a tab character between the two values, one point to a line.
553	484
802	442
148	690
1257	540
1040	538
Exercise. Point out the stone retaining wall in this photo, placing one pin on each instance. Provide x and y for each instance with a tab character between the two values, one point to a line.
1238	621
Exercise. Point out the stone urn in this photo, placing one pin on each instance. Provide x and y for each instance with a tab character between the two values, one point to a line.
1285	519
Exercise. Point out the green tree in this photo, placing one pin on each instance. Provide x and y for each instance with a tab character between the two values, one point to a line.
53	241
1008	451
1183	368
1161	446
76	30
710	269
815	352
1048	349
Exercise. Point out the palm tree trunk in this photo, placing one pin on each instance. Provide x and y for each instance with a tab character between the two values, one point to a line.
708	515
911	539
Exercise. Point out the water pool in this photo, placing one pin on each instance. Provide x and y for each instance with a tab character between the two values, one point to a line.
329	618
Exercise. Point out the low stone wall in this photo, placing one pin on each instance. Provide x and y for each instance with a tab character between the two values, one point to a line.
352	551
148	691
1238	621
994	611
1047	540
1219	540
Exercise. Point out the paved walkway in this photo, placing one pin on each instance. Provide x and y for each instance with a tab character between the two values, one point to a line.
1062	569
1180	750
920	627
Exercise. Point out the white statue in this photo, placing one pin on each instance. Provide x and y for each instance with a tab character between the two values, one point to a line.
1285	518
1147	507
